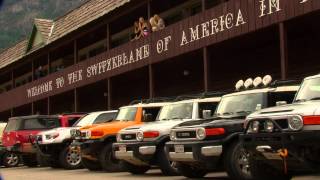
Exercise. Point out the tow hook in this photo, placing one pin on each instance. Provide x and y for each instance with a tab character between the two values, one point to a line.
284	154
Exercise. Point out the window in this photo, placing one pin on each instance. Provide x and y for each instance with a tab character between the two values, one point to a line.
153	111
274	97
40	123
207	106
105	117
73	120
127	114
12	125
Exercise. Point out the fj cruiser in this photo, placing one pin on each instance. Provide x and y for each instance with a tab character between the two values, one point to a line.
54	144
7	159
20	132
213	145
284	141
142	146
96	142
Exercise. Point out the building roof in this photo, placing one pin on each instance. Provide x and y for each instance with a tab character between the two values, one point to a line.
53	30
44	26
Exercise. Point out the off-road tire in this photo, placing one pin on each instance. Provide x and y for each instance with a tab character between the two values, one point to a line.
64	160
263	171
236	161
190	171
30	161
107	160
165	165
133	169
91	165
11	159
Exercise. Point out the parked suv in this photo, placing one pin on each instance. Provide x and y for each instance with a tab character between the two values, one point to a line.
7	159
96	142
20	132
141	146
211	145
54	144
284	141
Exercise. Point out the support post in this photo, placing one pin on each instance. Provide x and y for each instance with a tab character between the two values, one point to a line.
206	69
203	3
12	79
49	64
283	50
149	9
151	83
109	94
75	51
75	100
32	69
32	108
108	45
11	112
48	105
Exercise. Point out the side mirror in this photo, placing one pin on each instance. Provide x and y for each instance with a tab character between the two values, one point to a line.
206	114
280	103
147	118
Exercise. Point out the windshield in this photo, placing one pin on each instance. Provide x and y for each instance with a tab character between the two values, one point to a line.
240	104
176	111
85	120
127	114
309	90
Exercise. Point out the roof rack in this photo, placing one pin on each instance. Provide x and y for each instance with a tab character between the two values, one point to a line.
152	100
288	82
201	95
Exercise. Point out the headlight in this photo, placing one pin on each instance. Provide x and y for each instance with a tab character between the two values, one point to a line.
201	133
140	136
172	135
268	126
253	127
52	136
295	123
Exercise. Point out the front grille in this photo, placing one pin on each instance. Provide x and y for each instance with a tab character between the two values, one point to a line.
186	134
128	137
283	123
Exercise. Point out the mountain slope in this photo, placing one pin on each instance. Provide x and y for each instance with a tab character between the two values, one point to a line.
16	16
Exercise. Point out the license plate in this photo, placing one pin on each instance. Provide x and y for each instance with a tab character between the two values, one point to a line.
179	148
122	148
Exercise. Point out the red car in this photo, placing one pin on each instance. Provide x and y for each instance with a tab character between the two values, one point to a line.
20	132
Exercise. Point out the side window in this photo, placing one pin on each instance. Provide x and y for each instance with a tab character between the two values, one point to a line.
211	106
72	120
154	111
12	125
105	117
30	124
274	97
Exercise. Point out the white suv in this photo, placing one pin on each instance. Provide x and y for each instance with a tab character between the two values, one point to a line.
54	145
142	146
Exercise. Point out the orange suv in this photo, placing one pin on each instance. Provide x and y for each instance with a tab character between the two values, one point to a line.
95	142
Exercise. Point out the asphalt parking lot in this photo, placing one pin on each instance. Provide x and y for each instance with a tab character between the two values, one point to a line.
25	173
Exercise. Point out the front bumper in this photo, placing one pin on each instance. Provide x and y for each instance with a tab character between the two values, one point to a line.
204	152
89	148
270	146
138	153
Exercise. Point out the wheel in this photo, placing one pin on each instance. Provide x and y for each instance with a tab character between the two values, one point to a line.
108	162
91	165
30	161
70	158
236	162
167	167
190	171
11	159
263	171
133	169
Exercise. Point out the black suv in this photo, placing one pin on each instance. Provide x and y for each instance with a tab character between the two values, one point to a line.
198	147
284	141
